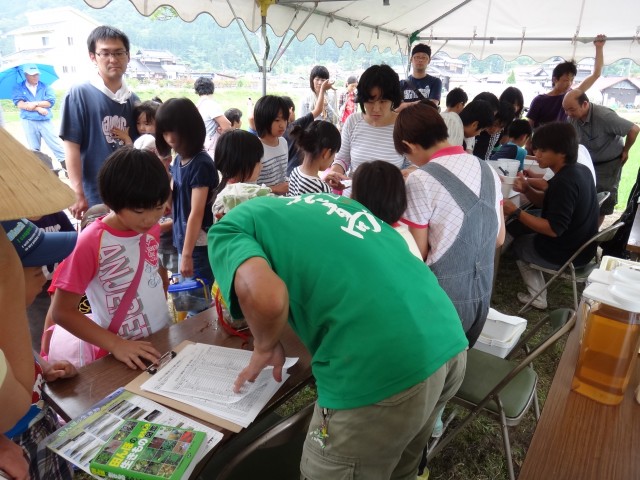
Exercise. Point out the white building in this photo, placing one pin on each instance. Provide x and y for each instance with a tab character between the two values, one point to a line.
58	37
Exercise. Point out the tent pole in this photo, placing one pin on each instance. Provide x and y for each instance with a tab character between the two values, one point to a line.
264	6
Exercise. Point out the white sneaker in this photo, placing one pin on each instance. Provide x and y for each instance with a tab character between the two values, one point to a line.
538	303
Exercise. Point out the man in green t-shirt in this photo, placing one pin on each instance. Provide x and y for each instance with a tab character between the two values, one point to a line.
387	345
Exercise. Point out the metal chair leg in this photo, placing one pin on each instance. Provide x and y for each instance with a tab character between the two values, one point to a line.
507	444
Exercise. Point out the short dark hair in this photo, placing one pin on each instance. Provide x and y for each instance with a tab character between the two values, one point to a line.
106	32
582	98
131	178
380	187
316	137
421	48
204	86
181	116
289	102
383	77
265	112
520	127
320	72
506	112
559	137
562	69
237	153
430	103
489	97
149	108
418	124
479	111
233	115
456	96
513	96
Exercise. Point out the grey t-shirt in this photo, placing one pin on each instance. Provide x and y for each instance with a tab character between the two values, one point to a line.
602	133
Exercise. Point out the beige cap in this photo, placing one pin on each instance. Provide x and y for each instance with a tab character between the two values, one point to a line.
27	187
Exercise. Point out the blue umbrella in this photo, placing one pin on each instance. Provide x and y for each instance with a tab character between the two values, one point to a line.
12	76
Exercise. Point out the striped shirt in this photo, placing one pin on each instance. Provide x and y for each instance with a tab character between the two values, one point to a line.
274	164
300	183
362	143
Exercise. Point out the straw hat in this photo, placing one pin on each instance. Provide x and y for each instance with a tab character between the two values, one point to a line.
27	187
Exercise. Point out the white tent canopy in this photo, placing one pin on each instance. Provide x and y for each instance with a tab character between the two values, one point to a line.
509	28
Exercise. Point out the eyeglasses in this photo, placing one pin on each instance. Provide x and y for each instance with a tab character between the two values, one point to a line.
119	55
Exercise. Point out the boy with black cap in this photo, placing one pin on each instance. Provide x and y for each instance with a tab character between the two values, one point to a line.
420	85
36	248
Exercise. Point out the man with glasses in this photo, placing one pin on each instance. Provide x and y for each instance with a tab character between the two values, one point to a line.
95	115
420	85
608	138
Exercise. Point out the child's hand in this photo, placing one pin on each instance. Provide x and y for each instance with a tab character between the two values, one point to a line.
186	266
131	353
327	84
12	459
334	179
122	135
60	369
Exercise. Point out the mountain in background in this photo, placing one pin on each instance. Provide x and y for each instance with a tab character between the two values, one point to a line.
208	47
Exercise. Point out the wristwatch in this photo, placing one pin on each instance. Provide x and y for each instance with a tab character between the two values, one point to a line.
516	213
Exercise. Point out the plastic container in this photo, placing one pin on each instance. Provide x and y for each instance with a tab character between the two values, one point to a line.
497	347
505	167
616	270
507	171
188	295
500	326
609	263
610	339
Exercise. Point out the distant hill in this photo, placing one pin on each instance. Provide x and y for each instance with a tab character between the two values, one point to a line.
203	43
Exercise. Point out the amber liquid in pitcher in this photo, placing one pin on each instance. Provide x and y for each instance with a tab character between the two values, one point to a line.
609	349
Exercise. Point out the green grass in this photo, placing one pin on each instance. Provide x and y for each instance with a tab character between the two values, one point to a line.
477	453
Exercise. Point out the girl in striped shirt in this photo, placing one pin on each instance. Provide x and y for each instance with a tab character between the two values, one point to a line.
319	142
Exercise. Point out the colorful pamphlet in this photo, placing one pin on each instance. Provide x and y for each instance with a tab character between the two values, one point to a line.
80	439
140	450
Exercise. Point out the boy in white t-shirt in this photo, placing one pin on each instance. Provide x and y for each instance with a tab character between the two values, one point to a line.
135	186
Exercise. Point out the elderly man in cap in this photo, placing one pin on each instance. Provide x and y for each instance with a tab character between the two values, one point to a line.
34	99
602	132
420	85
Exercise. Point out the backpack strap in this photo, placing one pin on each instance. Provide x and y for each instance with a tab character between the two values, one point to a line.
415	89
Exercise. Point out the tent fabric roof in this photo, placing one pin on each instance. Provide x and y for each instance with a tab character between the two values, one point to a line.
509	28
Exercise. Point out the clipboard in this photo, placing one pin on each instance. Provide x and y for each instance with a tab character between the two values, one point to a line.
134	387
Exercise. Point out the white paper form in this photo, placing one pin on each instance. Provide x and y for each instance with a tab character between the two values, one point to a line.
203	376
80	439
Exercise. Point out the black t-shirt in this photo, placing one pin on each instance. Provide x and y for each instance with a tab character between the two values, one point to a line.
294	153
571	207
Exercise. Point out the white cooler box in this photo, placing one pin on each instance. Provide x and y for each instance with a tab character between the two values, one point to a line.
500	333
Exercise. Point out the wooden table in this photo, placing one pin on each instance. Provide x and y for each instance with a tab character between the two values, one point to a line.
633	243
72	397
580	439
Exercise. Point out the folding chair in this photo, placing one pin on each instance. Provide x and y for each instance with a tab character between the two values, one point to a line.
576	274
602	196
274	452
504	389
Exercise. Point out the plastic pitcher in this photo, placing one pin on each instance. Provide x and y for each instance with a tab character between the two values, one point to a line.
610	339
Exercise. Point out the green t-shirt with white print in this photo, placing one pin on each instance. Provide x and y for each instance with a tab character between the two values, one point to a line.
372	314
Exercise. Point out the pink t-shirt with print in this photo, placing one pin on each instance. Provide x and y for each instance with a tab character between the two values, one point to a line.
103	265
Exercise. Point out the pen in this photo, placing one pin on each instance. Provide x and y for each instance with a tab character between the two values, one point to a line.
162	361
